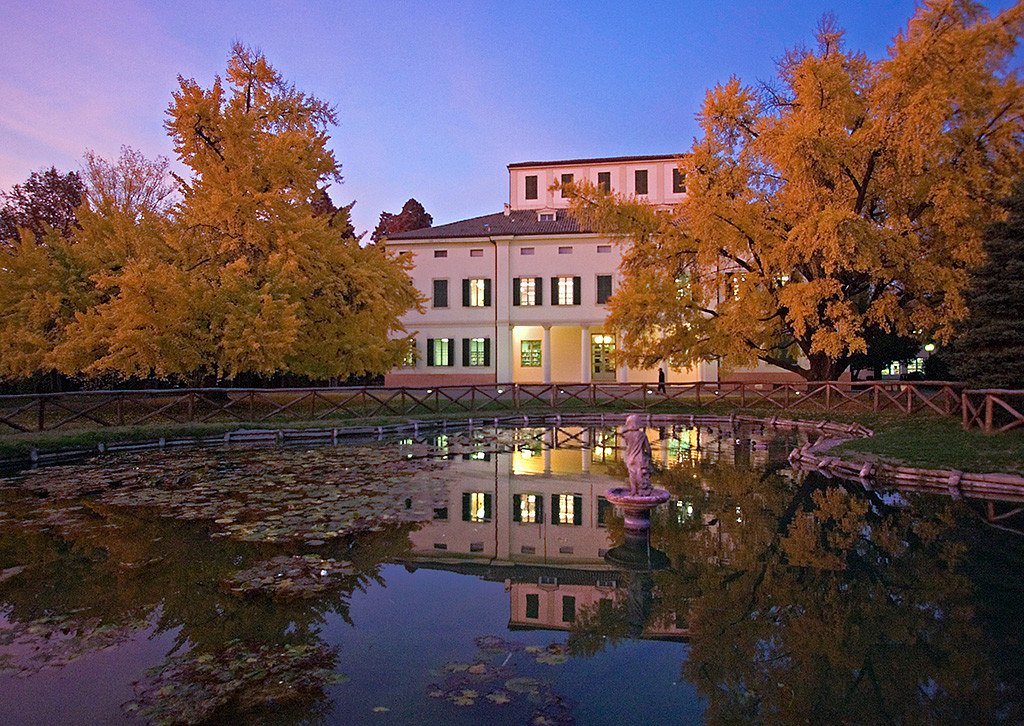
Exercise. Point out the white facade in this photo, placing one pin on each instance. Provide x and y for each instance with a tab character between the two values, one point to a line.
488	333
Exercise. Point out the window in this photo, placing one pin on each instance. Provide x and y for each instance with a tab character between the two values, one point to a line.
526	250
915	365
529	354
440	253
604	288
441	352
527	550
640	181
565	290
476	253
441	513
531	187
409	359
566	179
527	508
533	606
604	508
566	509
604	180
476	507
476	352
476	292
678	181
527	290
604	249
476	546
565	250
546	217
440	293
568	609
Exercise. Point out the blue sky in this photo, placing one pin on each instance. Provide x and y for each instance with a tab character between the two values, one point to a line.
434	98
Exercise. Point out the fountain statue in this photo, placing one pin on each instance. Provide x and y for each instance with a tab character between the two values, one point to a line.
637	501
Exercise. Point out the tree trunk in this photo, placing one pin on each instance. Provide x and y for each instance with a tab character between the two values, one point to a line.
824	368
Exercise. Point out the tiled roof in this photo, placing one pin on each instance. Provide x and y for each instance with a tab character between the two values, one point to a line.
519	222
598	160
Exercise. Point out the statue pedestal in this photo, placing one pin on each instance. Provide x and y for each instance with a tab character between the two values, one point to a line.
636	553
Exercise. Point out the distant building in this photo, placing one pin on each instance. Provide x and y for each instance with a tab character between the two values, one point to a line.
519	296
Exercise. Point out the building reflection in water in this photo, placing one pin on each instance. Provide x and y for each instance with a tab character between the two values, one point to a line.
533	514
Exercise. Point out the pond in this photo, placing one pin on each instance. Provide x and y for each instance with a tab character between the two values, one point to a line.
461	578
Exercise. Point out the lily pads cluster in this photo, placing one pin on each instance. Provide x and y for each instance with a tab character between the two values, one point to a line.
286	578
197	687
54	641
262	495
491	680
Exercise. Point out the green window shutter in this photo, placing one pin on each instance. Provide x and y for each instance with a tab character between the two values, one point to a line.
577	510
517	514
554	509
487	351
577	288
451	351
465	351
488	509
538	286
516	299
540	508
465	507
465	293
554	290
487	292
430	351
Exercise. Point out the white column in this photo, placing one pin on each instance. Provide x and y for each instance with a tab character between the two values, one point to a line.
504	356
545	353
585	354
620	372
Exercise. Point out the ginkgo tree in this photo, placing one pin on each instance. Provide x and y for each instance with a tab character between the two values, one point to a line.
250	271
849	196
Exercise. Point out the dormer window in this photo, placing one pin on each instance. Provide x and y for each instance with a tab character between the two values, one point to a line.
545	216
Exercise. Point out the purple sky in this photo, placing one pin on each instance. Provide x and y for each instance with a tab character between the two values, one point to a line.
434	99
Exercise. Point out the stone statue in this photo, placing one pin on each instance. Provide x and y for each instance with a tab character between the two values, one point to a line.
638	456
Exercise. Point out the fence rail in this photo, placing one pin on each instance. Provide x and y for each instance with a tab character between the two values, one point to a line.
93	409
993	410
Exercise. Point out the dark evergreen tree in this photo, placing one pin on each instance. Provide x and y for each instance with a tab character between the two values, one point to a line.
989	352
413	216
46	199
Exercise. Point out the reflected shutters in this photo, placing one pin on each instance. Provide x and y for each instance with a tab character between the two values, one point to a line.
538	286
577	288
515	291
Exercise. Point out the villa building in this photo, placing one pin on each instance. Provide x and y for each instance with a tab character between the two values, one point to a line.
520	296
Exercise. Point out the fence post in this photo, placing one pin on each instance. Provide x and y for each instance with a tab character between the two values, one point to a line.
828	395
874	396
910	397
988	412
42	414
963	410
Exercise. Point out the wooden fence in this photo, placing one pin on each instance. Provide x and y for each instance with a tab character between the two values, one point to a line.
993	410
97	409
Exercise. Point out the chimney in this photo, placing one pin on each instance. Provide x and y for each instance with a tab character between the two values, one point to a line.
508	209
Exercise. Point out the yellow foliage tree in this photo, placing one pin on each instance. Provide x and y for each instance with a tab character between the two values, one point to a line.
852	197
245	273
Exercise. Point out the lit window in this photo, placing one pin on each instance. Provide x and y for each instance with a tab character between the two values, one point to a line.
477	353
476	292
527	291
439	352
893	369
531	187
409	360
566	179
915	365
640	181
529	352
678	181
565	290
526	508
476	507
566	509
